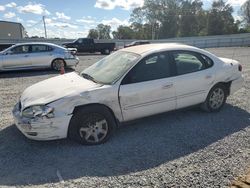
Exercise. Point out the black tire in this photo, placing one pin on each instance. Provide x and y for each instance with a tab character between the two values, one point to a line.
83	129
209	105
106	51
55	66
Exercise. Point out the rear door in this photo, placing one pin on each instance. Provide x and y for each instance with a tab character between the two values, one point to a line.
41	55
17	57
148	88
194	77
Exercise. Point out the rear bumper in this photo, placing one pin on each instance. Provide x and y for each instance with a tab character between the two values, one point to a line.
41	128
236	84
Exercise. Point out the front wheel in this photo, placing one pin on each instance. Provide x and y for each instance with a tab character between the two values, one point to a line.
91	125
216	99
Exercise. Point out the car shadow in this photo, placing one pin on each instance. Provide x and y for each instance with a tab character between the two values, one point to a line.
137	146
30	73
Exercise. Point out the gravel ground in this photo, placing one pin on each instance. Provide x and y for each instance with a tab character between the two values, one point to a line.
186	148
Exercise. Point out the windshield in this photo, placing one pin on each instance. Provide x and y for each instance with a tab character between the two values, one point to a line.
75	41
111	68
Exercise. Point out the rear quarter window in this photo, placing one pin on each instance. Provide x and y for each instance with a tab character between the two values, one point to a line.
209	62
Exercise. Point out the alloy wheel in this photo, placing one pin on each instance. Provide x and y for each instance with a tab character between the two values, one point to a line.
94	129
216	98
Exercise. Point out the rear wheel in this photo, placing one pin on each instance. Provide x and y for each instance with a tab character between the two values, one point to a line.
106	51
92	125
215	99
57	64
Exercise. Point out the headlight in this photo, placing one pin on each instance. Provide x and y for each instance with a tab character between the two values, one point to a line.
38	111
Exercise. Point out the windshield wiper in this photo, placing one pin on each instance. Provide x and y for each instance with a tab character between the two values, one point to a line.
88	77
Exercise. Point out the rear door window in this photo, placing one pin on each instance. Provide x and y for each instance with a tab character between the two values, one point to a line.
188	62
40	48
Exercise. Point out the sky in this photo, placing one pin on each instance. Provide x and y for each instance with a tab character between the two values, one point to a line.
73	19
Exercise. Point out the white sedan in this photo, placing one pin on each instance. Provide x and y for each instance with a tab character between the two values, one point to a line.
131	83
36	55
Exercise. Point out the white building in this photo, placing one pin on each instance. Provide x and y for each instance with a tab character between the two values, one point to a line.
12	30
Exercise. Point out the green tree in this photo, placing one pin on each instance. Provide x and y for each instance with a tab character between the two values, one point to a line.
202	22
169	18
123	32
93	33
103	31
142	31
192	20
220	19
246	12
162	15
115	34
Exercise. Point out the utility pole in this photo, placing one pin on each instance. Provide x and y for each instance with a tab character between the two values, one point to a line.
44	24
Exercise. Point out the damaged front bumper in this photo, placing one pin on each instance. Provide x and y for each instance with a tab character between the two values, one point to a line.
41	128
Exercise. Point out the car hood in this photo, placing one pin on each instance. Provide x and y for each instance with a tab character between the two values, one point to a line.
52	89
68	43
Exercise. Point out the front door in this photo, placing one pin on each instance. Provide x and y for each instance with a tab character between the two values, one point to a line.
148	88
17	57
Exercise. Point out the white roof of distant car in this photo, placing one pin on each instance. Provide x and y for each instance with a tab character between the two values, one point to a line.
142	49
42	43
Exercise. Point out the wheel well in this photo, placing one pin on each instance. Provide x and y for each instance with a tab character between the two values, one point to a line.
97	104
59	59
227	85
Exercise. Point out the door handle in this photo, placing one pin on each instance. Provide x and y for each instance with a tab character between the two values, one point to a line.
208	76
26	56
167	86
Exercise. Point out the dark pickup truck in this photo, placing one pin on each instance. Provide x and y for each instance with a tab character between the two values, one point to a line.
88	45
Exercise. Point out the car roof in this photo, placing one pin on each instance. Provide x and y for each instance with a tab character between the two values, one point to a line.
149	48
41	43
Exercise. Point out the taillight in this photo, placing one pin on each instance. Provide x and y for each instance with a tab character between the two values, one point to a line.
240	67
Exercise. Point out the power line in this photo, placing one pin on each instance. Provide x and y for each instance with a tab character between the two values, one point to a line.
35	24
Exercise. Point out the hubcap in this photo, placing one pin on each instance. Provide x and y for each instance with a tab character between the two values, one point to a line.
95	129
216	98
57	64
